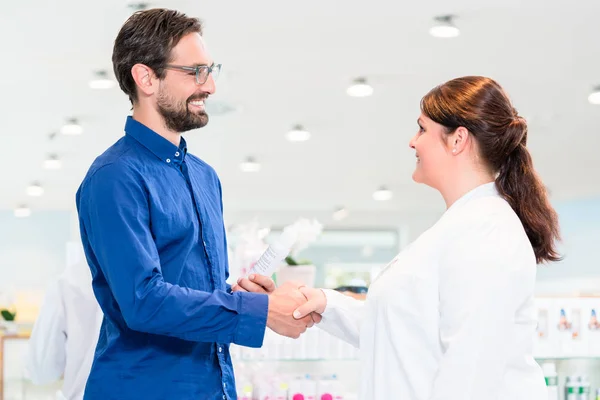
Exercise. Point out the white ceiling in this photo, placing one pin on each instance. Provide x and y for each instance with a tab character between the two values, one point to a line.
290	62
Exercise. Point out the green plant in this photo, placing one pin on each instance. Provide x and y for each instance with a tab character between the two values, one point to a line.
291	261
7	315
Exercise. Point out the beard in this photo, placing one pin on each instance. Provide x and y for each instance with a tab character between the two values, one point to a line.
177	115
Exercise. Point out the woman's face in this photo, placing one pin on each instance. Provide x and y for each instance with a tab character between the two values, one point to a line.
432	151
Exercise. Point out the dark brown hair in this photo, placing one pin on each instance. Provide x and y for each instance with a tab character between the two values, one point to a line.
481	106
148	37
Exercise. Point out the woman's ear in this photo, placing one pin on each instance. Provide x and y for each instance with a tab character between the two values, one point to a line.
458	140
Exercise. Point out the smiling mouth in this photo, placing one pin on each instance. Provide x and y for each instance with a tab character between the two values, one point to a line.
198	104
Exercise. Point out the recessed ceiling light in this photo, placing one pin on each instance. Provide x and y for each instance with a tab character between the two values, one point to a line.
250	165
444	27
138	5
594	97
35	190
52	162
22	211
359	88
298	134
340	213
72	127
382	194
101	80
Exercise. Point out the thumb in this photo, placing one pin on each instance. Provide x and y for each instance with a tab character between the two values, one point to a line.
303	310
306	308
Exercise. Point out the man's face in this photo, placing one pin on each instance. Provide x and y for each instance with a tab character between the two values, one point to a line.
180	100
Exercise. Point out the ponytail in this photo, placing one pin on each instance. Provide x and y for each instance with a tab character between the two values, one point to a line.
520	186
483	107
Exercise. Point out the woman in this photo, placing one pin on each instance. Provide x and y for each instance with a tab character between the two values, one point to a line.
452	316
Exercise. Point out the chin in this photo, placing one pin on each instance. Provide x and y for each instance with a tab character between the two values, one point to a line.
200	120
203	120
416	177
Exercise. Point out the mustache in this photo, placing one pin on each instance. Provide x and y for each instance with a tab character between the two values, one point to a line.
196	97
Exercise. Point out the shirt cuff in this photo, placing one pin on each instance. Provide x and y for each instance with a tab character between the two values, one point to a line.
252	319
332	297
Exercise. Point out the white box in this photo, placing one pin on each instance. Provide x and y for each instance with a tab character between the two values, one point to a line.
573	337
546	341
592	325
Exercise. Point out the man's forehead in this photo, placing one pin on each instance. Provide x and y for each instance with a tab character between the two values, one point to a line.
191	50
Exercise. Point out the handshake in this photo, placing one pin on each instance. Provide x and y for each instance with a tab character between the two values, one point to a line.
293	307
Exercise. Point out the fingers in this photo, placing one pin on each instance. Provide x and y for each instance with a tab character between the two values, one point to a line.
257	284
316	297
316	303
309	321
250	286
294	330
264	281
316	317
237	288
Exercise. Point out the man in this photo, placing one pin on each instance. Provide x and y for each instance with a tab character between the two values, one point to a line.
152	226
65	333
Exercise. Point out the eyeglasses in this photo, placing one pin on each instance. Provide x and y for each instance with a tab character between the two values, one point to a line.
201	71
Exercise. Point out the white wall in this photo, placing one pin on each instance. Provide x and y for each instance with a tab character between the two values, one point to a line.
579	272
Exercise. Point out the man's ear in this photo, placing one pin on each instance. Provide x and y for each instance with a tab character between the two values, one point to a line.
145	79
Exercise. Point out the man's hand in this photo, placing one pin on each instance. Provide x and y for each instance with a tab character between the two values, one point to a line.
283	301
254	283
263	284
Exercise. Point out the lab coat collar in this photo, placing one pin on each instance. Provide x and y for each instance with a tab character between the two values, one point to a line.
485	190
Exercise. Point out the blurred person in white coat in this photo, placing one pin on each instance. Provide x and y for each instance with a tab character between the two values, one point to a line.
64	337
452	316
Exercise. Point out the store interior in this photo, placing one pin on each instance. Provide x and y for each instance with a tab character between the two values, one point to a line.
311	120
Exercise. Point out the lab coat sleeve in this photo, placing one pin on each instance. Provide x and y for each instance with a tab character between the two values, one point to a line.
113	208
46	353
343	316
478	302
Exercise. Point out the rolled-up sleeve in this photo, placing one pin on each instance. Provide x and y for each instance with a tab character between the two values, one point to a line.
113	208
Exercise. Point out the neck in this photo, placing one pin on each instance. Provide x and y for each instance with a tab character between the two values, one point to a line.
465	182
153	120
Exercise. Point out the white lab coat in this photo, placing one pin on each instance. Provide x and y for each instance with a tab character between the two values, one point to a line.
64	337
452	316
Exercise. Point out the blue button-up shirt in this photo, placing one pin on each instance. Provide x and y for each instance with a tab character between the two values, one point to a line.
151	220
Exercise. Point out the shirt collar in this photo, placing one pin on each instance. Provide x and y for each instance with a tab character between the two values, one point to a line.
161	147
484	190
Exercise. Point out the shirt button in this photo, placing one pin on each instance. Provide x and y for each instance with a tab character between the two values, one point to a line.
224	397
204	243
220	349
224	385
168	160
177	154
